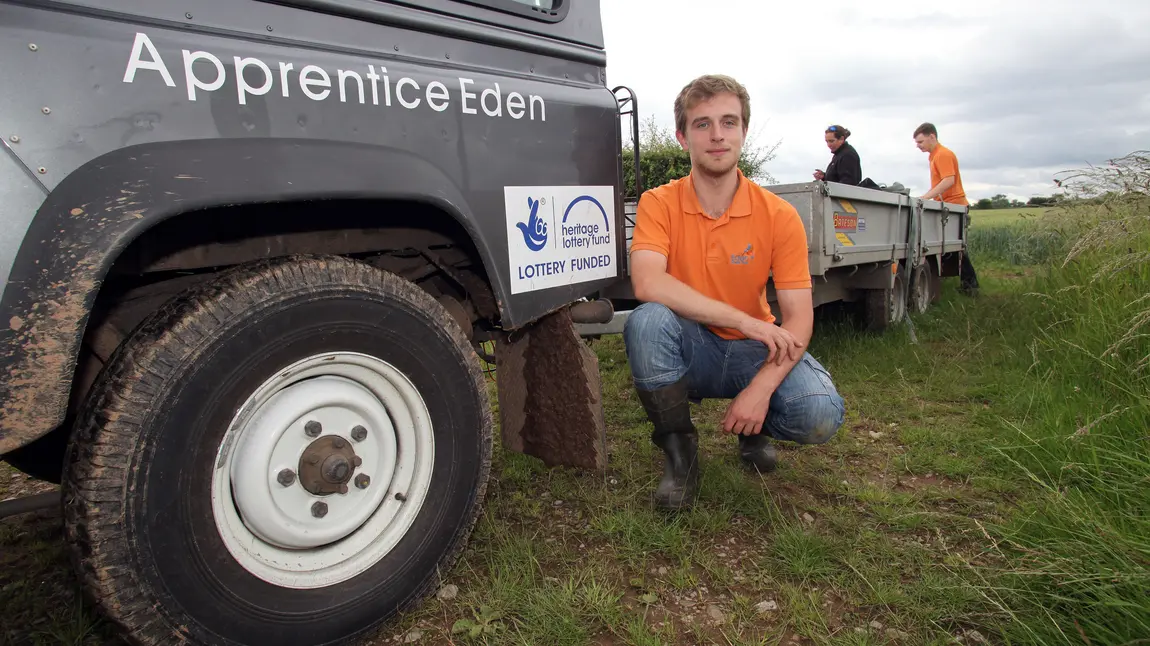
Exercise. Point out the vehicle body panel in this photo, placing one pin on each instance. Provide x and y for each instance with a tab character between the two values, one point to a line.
126	139
23	194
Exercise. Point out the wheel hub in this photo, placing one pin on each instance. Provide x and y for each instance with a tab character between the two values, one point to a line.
308	425
327	465
897	300
323	470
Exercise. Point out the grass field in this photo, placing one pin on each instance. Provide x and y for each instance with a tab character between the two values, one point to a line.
991	485
997	217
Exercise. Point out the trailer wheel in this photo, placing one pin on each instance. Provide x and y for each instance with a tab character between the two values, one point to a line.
883	308
289	454
921	289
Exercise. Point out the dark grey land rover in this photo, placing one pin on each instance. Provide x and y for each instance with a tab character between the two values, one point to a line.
249	250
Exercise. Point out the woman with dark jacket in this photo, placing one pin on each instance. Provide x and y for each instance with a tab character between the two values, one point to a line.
845	166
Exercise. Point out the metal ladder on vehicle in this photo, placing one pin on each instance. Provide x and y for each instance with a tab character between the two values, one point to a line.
628	106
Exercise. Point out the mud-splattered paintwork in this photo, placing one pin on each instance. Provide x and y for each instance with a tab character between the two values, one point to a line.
111	159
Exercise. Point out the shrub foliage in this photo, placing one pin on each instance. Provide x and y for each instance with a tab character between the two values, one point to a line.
662	159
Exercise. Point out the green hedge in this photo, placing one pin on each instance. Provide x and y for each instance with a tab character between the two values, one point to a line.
662	159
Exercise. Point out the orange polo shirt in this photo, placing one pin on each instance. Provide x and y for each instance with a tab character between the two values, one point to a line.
943	164
729	258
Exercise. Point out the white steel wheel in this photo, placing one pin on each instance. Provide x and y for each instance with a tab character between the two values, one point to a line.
920	289
898	296
323	470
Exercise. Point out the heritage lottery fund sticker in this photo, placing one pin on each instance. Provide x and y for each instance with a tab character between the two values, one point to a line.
559	235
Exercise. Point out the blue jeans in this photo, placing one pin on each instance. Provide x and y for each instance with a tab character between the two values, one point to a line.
663	347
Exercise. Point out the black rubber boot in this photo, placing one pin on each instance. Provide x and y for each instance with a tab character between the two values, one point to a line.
670	412
757	451
968	279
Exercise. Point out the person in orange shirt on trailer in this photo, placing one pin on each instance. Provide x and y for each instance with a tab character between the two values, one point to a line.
703	249
946	185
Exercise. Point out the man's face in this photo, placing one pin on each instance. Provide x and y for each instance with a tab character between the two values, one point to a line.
715	134
833	143
925	143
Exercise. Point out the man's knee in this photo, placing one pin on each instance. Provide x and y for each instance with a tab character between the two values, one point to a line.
811	410
813	419
650	322
652	337
824	416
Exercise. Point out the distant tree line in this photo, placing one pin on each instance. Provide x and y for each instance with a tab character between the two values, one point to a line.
1000	201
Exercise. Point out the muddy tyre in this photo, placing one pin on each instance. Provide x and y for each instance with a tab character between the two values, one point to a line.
290	454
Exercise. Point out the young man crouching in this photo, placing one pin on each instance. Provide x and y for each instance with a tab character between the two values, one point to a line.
703	249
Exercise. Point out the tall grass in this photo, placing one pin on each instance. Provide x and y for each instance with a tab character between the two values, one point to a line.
1077	560
1020	242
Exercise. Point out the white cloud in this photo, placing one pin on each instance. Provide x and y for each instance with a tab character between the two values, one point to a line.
1019	90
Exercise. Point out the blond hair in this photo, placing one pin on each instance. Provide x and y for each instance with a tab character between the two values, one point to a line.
704	88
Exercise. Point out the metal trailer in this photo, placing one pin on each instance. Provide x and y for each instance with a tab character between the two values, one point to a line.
884	250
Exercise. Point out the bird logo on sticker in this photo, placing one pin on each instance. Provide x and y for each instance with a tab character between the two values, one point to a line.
535	229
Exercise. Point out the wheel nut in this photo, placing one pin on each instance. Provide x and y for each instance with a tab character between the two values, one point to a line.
286	477
362	480
338	443
319	509
313	428
359	433
357	460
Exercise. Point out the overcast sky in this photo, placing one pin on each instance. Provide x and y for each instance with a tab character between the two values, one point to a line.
1019	89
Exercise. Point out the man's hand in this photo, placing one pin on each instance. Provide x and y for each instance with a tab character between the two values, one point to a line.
747	412
938	189
781	344
819	175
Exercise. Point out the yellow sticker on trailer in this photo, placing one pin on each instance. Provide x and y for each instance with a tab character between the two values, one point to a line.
845	240
847	206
